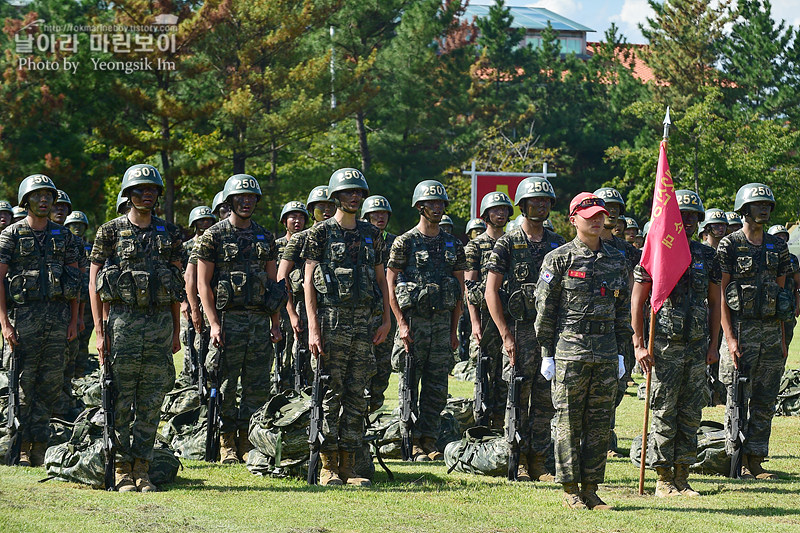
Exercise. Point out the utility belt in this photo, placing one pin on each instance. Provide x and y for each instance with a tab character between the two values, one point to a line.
140	288
428	298
765	301
249	290
53	282
117	307
590	327
347	287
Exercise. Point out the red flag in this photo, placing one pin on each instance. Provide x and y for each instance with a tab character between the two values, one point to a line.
666	253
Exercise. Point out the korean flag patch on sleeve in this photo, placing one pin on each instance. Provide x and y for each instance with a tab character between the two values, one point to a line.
546	276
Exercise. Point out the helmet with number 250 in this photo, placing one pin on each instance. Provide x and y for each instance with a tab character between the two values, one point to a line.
240	184
751	193
141	175
429	190
32	183
535	187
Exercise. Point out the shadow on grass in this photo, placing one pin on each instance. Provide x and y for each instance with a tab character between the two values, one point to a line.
740	511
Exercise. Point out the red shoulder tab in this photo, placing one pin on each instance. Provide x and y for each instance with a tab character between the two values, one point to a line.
576	274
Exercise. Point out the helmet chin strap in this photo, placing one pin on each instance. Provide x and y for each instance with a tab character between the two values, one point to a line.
424	212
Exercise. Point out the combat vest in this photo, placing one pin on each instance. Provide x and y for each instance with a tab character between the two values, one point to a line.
297	274
239	279
140	273
423	286
523	271
37	271
339	281
684	315
753	292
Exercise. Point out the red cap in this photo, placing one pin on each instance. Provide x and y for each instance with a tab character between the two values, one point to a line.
587	205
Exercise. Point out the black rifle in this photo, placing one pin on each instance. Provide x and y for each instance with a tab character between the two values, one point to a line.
315	436
280	351
202	373
299	361
194	358
481	387
513	415
408	392
107	387
215	377
738	420
13	423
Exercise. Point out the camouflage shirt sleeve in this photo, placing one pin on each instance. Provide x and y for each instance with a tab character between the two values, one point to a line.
785	263
461	260
72	251
398	255
640	275
548	296
473	255
314	246
500	258
104	241
294	247
8	241
726	254
712	262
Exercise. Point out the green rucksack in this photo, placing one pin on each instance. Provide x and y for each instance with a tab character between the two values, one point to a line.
481	451
179	401
186	433
788	403
465	371
82	458
280	428
88	390
711	455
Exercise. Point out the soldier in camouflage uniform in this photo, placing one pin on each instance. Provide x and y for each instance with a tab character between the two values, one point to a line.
686	335
292	268
513	268
66	406
200	219
754	268
496	209
294	217
345	287
631	229
6	214
734	222
446	224
39	258
792	282
18	213
615	205
582	322
136	268
77	224
713	228
475	227
377	211
431	263
236	273
219	208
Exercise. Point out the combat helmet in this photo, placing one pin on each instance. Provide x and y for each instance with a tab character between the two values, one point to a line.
141	175
374	204
778	229
6	206
216	203
611	195
200	212
476	223
534	187
429	190
753	192
63	198
494	199
241	184
76	217
346	179
317	194
714	215
294	207
32	183
690	201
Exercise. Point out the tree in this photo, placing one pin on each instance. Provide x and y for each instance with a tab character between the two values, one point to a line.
682	53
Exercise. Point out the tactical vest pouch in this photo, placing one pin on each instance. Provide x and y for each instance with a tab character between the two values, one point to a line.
747	296
276	296
451	293
428	298
671	323
322	279
769	297
345	278
529	298
25	287
54	274
404	293
296	282
516	305
163	290
71	283
732	296
697	324
134	288
107	283
784	305
744	265
177	291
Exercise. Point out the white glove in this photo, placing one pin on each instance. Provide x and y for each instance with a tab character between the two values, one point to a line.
621	370
548	368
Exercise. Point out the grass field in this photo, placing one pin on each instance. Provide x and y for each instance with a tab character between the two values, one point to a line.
423	497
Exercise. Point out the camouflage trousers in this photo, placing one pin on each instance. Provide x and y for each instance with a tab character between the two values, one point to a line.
622	384
677	398
143	371
298	344
536	400
383	361
66	401
762	361
497	394
247	355
42	332
282	373
350	362
583	395
433	360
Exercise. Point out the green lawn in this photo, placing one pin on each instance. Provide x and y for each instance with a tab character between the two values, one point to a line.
423	498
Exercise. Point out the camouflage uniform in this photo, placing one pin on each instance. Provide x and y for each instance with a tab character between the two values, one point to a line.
477	253
583	320
40	315
293	252
679	373
790	285
429	261
186	251
347	299
284	346
239	256
140	331
755	268
519	260
66	402
82	360
383	351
